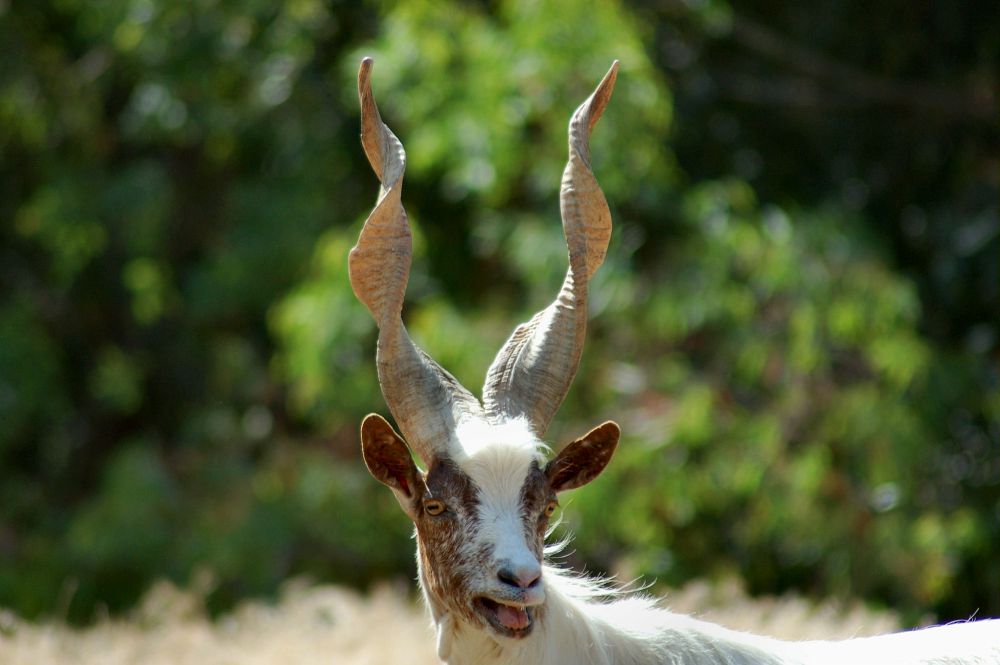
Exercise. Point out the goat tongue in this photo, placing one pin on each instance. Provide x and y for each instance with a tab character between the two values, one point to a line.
513	617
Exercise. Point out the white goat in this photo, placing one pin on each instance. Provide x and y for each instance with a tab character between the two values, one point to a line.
481	509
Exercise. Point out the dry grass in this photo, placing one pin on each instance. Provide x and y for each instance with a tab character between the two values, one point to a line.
331	625
788	617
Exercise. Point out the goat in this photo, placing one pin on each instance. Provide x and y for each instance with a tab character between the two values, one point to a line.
482	508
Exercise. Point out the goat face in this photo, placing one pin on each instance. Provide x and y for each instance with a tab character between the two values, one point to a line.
481	519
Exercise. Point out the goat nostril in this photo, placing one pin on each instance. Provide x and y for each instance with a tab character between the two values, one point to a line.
522	579
507	577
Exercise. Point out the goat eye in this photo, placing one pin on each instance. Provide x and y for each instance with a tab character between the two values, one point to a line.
434	507
551	508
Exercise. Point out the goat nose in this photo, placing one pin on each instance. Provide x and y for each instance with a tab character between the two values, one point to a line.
523	577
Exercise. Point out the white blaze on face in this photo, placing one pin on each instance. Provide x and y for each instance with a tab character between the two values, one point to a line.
498	461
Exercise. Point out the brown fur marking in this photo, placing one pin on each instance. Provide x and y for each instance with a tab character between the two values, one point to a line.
536	493
441	536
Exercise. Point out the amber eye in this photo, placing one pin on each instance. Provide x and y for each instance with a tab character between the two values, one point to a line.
551	508
434	507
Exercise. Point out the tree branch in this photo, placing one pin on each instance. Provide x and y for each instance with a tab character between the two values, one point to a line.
978	101
818	73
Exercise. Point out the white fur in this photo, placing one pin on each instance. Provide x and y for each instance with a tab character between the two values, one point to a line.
498	460
578	630
475	436
577	627
498	472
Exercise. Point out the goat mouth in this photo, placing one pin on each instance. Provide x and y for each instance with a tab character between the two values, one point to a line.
508	620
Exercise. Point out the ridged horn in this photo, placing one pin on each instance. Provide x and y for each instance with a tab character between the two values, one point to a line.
533	371
427	402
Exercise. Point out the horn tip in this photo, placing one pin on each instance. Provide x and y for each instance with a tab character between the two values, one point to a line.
594	106
612	73
365	70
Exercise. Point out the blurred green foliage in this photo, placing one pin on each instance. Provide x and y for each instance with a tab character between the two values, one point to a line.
809	391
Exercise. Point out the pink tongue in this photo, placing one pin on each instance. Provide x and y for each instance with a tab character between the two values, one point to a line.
512	617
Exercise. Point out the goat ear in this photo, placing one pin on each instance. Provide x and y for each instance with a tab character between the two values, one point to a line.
388	460
584	459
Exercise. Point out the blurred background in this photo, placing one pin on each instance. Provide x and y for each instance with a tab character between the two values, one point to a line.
797	324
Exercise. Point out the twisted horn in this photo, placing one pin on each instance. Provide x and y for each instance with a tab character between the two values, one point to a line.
427	402
532	372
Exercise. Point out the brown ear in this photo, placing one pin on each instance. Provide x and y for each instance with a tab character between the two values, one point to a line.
584	459
388	460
